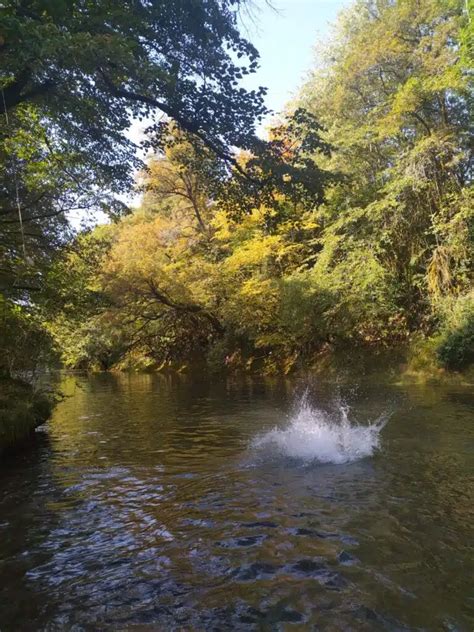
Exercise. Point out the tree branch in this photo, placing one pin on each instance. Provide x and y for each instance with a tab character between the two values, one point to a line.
189	126
189	308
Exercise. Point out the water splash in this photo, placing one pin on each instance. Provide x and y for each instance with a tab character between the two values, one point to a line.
316	435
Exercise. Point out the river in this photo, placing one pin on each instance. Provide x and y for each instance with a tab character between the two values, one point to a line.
184	503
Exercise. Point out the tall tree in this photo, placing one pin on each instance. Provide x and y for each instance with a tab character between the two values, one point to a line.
397	100
92	66
74	75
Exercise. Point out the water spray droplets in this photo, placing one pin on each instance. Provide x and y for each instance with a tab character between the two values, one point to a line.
316	435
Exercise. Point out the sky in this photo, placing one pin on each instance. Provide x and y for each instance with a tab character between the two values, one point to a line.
285	37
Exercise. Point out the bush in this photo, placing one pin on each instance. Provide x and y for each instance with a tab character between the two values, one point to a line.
22	409
456	350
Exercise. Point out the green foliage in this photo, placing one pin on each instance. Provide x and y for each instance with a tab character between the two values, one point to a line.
22	408
74	304
396	101
467	37
374	261
352	300
90	67
455	348
280	173
74	76
351	226
25	345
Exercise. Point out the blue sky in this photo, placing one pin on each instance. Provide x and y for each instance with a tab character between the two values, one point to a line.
285	38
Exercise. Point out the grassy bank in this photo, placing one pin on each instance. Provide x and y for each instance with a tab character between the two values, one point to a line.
22	409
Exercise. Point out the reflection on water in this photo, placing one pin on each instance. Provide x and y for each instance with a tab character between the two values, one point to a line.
181	504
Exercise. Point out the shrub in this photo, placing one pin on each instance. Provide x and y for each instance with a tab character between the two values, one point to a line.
456	350
456	347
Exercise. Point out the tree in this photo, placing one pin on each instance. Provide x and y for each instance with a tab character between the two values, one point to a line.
396	100
183	175
76	73
90	67
352	225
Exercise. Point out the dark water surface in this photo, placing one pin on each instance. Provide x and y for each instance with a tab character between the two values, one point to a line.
146	506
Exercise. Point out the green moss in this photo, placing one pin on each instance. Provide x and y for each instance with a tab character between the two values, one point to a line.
22	409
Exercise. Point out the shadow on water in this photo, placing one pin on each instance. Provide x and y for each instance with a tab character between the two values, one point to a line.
184	503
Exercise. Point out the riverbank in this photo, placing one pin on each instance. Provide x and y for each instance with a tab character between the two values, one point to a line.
22	409
416	362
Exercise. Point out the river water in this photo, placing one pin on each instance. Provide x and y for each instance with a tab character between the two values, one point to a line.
158	503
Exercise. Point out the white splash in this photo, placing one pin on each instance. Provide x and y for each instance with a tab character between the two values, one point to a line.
315	435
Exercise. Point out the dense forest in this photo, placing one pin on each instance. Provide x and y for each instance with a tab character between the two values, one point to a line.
349	225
